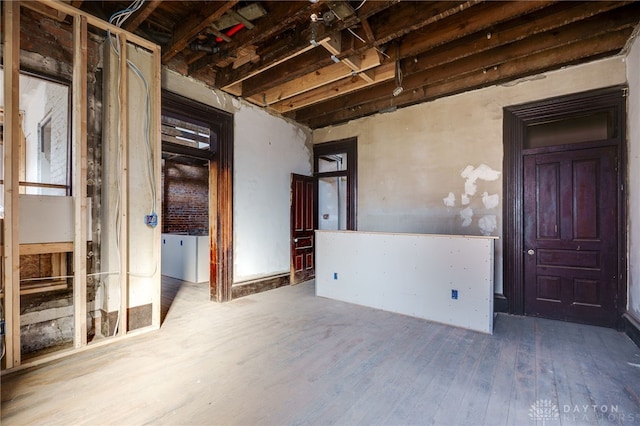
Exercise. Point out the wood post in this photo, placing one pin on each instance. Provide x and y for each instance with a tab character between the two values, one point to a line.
79	154
11	255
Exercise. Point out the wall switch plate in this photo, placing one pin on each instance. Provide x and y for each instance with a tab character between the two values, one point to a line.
454	294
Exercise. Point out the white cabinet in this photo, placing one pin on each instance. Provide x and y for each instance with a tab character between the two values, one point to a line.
185	257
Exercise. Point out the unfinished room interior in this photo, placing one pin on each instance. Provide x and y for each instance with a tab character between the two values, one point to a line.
320	212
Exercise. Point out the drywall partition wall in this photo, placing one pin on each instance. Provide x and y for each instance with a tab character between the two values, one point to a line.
267	149
633	179
437	167
38	212
442	278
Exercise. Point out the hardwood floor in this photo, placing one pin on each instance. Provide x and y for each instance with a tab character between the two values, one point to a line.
287	357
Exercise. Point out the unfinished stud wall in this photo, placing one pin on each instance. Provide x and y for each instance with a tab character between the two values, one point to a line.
46	318
437	167
633	178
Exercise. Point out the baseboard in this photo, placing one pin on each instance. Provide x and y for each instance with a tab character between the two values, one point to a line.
632	328
259	285
500	303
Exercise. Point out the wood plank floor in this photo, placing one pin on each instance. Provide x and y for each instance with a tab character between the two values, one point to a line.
286	357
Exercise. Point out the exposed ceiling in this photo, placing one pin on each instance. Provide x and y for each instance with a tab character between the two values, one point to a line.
327	62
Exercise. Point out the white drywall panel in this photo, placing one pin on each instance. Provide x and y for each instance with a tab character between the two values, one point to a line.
410	274
633	169
48	219
426	168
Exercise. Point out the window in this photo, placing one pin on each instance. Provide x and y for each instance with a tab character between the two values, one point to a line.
45	157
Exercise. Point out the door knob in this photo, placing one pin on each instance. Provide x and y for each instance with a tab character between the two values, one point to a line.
531	252
295	240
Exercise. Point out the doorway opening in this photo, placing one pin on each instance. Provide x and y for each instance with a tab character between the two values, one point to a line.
197	152
564	214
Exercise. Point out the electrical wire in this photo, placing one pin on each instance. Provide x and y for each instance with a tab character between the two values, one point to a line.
118	19
361	4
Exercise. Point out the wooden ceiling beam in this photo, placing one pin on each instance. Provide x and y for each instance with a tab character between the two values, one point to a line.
193	25
514	70
469	21
407	17
319	78
280	17
591	13
565	53
282	51
143	13
341	87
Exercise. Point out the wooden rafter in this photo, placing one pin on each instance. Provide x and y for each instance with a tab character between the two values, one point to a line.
143	13
593	47
193	25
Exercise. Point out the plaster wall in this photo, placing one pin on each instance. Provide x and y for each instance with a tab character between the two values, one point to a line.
633	179
437	167
267	149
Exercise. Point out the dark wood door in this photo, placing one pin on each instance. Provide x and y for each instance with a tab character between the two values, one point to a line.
570	251
302	228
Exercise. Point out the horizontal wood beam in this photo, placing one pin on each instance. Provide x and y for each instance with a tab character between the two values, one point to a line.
228	77
143	13
326	75
586	49
485	60
193	25
338	88
407	17
468	21
280	16
548	19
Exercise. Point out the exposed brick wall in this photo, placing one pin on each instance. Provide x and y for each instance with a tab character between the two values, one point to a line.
185	207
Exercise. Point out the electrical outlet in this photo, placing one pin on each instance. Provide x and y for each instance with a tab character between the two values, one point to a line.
151	220
454	294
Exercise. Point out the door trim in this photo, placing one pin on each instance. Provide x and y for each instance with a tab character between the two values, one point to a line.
515	123
220	190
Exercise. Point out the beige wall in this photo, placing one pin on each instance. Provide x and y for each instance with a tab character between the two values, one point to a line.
416	165
267	149
633	179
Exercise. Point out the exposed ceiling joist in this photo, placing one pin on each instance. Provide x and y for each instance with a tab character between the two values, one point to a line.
195	24
340	63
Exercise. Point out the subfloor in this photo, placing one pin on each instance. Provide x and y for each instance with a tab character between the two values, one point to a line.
287	357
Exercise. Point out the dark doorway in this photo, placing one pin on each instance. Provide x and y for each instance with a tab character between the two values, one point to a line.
303	198
564	208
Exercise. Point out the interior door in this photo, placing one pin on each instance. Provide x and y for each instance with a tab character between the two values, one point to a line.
302	228
570	252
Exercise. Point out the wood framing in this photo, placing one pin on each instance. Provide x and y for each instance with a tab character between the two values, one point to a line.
11	257
11	248
155	129
79	154
124	189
